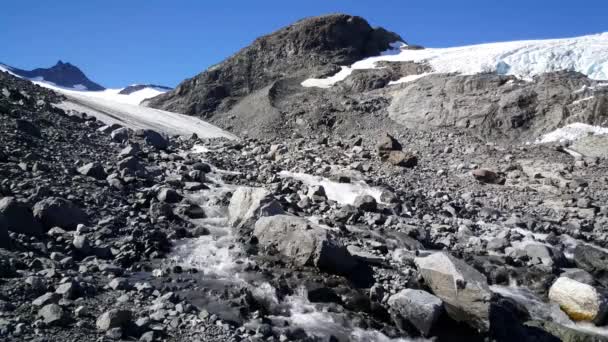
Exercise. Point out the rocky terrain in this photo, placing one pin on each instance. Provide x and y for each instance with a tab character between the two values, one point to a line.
354	213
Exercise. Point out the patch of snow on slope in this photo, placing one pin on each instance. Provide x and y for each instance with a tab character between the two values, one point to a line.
409	78
524	59
344	193
572	132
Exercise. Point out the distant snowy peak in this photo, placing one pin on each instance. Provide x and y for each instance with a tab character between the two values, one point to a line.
62	74
138	87
524	59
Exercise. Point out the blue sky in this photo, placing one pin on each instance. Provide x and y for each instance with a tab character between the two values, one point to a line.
117	43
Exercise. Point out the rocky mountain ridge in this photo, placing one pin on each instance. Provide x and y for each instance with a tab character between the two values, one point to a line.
61	74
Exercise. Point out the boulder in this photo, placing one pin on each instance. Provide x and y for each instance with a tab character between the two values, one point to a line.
403	159
94	170
247	204
303	243
168	195
130	164
386	144
155	139
52	314
113	319
365	203
130	151
487	176
463	289
59	212
581	302
17	217
592	260
120	134
417	308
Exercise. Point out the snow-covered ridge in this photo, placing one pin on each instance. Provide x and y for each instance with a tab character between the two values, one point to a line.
133	98
524	59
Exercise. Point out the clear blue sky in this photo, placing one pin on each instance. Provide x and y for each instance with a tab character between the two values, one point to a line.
117	43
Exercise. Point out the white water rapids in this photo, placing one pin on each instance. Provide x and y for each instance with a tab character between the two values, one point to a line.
219	257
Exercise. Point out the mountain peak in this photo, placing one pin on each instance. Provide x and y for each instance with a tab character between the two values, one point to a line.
61	74
315	45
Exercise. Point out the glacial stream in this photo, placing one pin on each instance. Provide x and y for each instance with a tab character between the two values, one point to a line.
221	260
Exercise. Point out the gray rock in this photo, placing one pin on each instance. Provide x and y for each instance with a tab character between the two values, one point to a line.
113	319
247	204
130	164
365	203
55	211
462	288
578	275
130	151
45	299
69	290
168	195
94	170
17	217
154	139
304	243
120	134
592	260
159	210
52	314
418	308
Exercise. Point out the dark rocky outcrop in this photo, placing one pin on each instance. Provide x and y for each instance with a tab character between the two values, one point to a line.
313	45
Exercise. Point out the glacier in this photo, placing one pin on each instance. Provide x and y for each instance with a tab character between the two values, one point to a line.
523	59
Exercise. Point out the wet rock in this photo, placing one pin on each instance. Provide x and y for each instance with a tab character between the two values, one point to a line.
580	301
304	243
578	274
158	210
592	260
59	212
365	203
418	308
463	289
94	170
168	195
113	319
17	217
247	204
52	314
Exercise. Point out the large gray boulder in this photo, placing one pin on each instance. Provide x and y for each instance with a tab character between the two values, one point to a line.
463	289
17	217
113	319
59	212
94	170
248	204
417	308
592	260
303	243
154	139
